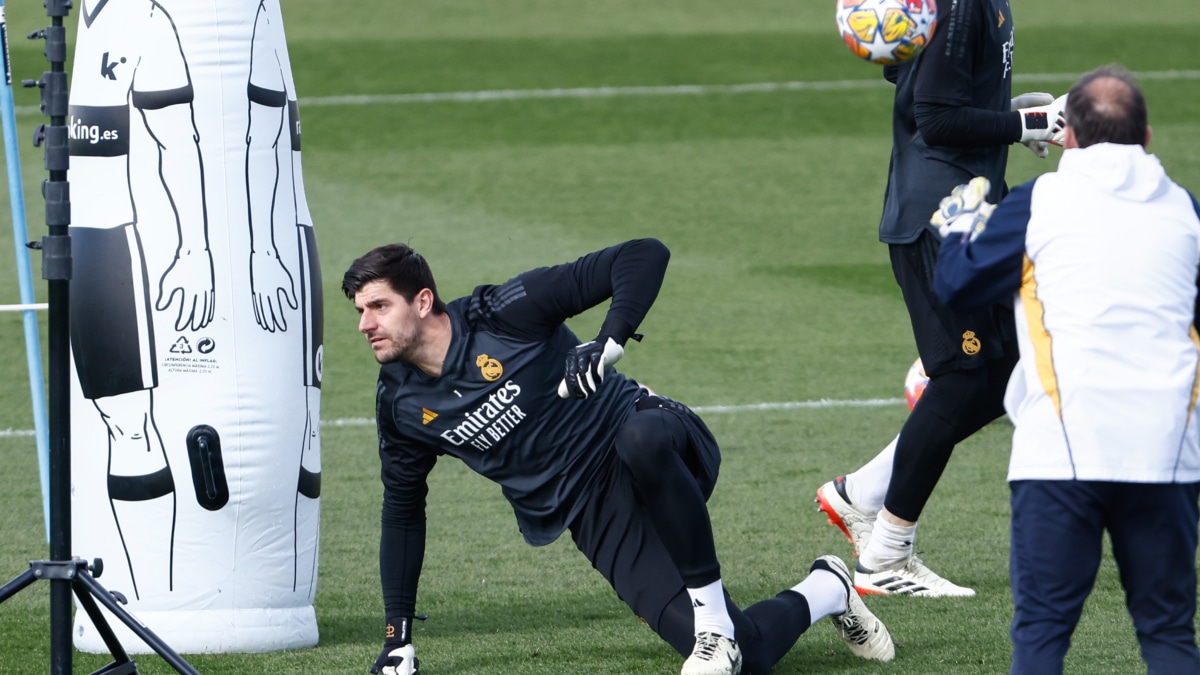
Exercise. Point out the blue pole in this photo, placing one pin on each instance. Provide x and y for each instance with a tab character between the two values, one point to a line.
33	343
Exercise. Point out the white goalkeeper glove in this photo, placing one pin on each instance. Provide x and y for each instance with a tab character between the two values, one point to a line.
1029	100
1044	122
585	367
965	211
396	661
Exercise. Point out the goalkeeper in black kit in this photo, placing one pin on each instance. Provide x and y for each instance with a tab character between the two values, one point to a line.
497	380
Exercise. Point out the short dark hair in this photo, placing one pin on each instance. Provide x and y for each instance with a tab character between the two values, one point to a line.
1107	106
404	269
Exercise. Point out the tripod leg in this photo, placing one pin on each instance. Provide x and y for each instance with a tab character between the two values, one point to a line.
83	593
13	587
139	629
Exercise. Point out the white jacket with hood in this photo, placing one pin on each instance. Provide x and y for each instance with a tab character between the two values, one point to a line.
1101	259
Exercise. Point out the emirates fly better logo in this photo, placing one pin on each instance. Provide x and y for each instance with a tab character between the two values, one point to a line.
491	421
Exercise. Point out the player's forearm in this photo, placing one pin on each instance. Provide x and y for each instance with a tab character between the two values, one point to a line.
401	555
265	132
637	274
963	126
180	172
185	190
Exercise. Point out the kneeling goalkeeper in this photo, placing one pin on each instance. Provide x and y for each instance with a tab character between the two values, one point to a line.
580	448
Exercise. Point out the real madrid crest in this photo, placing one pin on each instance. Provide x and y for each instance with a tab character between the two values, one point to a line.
970	343
491	368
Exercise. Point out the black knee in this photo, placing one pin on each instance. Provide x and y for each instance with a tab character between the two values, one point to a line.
963	401
663	443
651	442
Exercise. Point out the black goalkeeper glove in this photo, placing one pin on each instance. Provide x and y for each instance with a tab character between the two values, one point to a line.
398	656
585	367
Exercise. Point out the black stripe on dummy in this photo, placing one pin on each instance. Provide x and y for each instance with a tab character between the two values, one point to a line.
165	98
272	98
312	297
98	131
294	123
309	484
141	488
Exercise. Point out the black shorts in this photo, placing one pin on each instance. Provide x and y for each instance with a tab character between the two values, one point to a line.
946	340
112	332
312	308
615	533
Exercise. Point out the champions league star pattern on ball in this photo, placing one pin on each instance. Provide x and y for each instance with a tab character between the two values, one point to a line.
886	32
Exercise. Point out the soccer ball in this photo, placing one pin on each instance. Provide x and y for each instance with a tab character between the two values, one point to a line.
886	32
914	383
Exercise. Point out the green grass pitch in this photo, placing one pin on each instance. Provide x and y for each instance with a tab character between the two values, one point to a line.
778	291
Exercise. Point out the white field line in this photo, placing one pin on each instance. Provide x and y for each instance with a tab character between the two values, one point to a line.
703	409
15	433
592	92
798	405
676	90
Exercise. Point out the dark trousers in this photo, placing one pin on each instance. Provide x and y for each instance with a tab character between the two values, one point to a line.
968	357
646	529
955	405
1057	534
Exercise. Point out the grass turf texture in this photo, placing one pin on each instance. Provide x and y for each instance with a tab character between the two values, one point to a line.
778	291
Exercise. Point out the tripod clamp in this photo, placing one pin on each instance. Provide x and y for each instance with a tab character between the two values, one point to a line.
53	138
65	569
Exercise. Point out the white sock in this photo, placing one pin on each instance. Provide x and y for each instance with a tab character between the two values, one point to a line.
870	482
890	546
825	592
711	614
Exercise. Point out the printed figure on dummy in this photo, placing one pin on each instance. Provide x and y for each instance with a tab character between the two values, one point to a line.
275	124
185	171
112	328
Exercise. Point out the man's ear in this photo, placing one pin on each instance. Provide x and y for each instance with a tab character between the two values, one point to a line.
424	301
1069	141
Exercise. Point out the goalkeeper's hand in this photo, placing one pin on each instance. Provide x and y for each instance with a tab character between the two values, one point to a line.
585	367
398	656
1044	122
966	210
396	660
1029	100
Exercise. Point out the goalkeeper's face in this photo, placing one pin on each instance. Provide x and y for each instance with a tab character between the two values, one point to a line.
393	325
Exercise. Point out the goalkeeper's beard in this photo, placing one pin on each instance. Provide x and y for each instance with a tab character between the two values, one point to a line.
398	347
